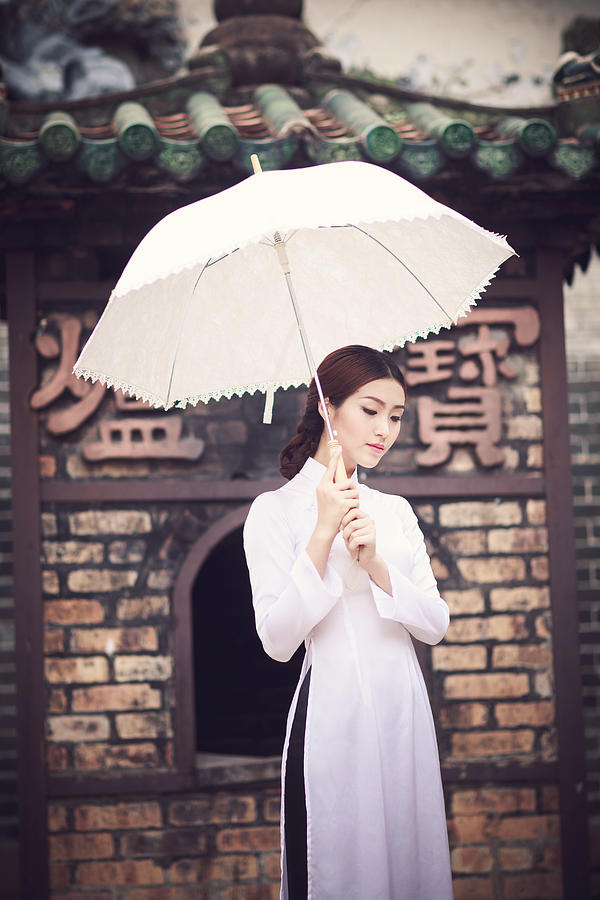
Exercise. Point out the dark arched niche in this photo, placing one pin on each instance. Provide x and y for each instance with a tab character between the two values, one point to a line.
231	698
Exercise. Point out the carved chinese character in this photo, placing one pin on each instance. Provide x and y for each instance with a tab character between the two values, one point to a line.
488	349
88	396
137	438
429	362
470	416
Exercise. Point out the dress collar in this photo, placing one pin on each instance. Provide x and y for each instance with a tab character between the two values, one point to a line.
313	471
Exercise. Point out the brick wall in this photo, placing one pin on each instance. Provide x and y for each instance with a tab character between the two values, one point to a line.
582	320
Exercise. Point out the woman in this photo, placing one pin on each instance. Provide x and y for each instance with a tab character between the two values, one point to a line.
344	569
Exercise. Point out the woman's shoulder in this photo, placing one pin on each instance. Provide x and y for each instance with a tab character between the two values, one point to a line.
394	503
274	504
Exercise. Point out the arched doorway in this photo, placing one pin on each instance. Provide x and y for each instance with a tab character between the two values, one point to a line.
242	696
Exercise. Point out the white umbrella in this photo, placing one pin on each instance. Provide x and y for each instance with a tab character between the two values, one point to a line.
202	309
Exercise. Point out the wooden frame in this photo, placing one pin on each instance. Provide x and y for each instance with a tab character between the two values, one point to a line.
28	493
563	583
29	628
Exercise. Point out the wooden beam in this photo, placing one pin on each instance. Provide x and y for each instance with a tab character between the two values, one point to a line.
240	489
563	587
265	772
31	768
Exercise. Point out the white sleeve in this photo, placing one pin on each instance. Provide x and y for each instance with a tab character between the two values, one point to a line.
288	594
415	600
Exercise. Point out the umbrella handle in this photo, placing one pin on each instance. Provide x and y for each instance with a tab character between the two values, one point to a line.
340	469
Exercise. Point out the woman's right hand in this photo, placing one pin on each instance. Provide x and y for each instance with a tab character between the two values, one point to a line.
334	499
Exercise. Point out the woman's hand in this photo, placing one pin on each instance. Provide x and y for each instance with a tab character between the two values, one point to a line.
334	499
358	529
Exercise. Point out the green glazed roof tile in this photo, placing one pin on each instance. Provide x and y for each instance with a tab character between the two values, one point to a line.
420	160
381	142
137	133
575	160
218	137
536	136
59	136
181	159
456	136
498	159
281	110
19	161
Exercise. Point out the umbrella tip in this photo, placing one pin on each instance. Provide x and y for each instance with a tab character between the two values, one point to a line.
255	163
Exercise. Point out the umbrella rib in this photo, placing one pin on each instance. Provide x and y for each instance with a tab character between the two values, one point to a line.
183	318
397	258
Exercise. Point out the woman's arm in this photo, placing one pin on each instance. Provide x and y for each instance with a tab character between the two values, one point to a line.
289	594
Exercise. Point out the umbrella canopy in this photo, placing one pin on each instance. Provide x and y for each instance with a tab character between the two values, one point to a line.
202	310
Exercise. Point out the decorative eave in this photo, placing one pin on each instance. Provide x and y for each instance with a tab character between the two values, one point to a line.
178	127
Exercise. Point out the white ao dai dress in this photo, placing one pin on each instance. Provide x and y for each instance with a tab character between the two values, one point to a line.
376	826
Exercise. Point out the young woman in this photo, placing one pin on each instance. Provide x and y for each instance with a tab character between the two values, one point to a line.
343	568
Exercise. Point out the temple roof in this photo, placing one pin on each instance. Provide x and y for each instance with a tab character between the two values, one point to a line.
178	127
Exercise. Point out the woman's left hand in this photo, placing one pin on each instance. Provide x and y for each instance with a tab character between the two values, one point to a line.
358	530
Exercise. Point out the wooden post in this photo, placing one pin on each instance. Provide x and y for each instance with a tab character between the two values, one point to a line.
31	767
563	586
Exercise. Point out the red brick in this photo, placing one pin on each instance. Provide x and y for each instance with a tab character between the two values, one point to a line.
76	669
540	568
47	466
530	656
57	758
536	512
82	895
50	582
113	640
272	808
493	800
60	876
472	656
57	817
485	685
272	865
144	725
537	713
140	755
73	612
53	640
129	871
250	892
143	607
512	858
492	743
528	428
494	628
469	542
72	552
518	540
464	715
221	868
118	697
533	887
471	829
173	842
464	603
472	859
491	569
552	858
550	798
113	521
94	581
77	728
145	814
219	809
143	668
248	839
519	598
473	889
476	513
57	701
81	846
523	828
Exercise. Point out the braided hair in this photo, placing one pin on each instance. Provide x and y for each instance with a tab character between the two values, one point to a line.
342	373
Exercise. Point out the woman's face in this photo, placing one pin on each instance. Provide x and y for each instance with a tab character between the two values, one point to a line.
368	422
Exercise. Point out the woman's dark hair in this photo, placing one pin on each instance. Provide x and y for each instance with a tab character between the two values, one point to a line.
341	373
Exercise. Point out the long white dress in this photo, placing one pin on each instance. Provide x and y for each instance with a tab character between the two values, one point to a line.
376	826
